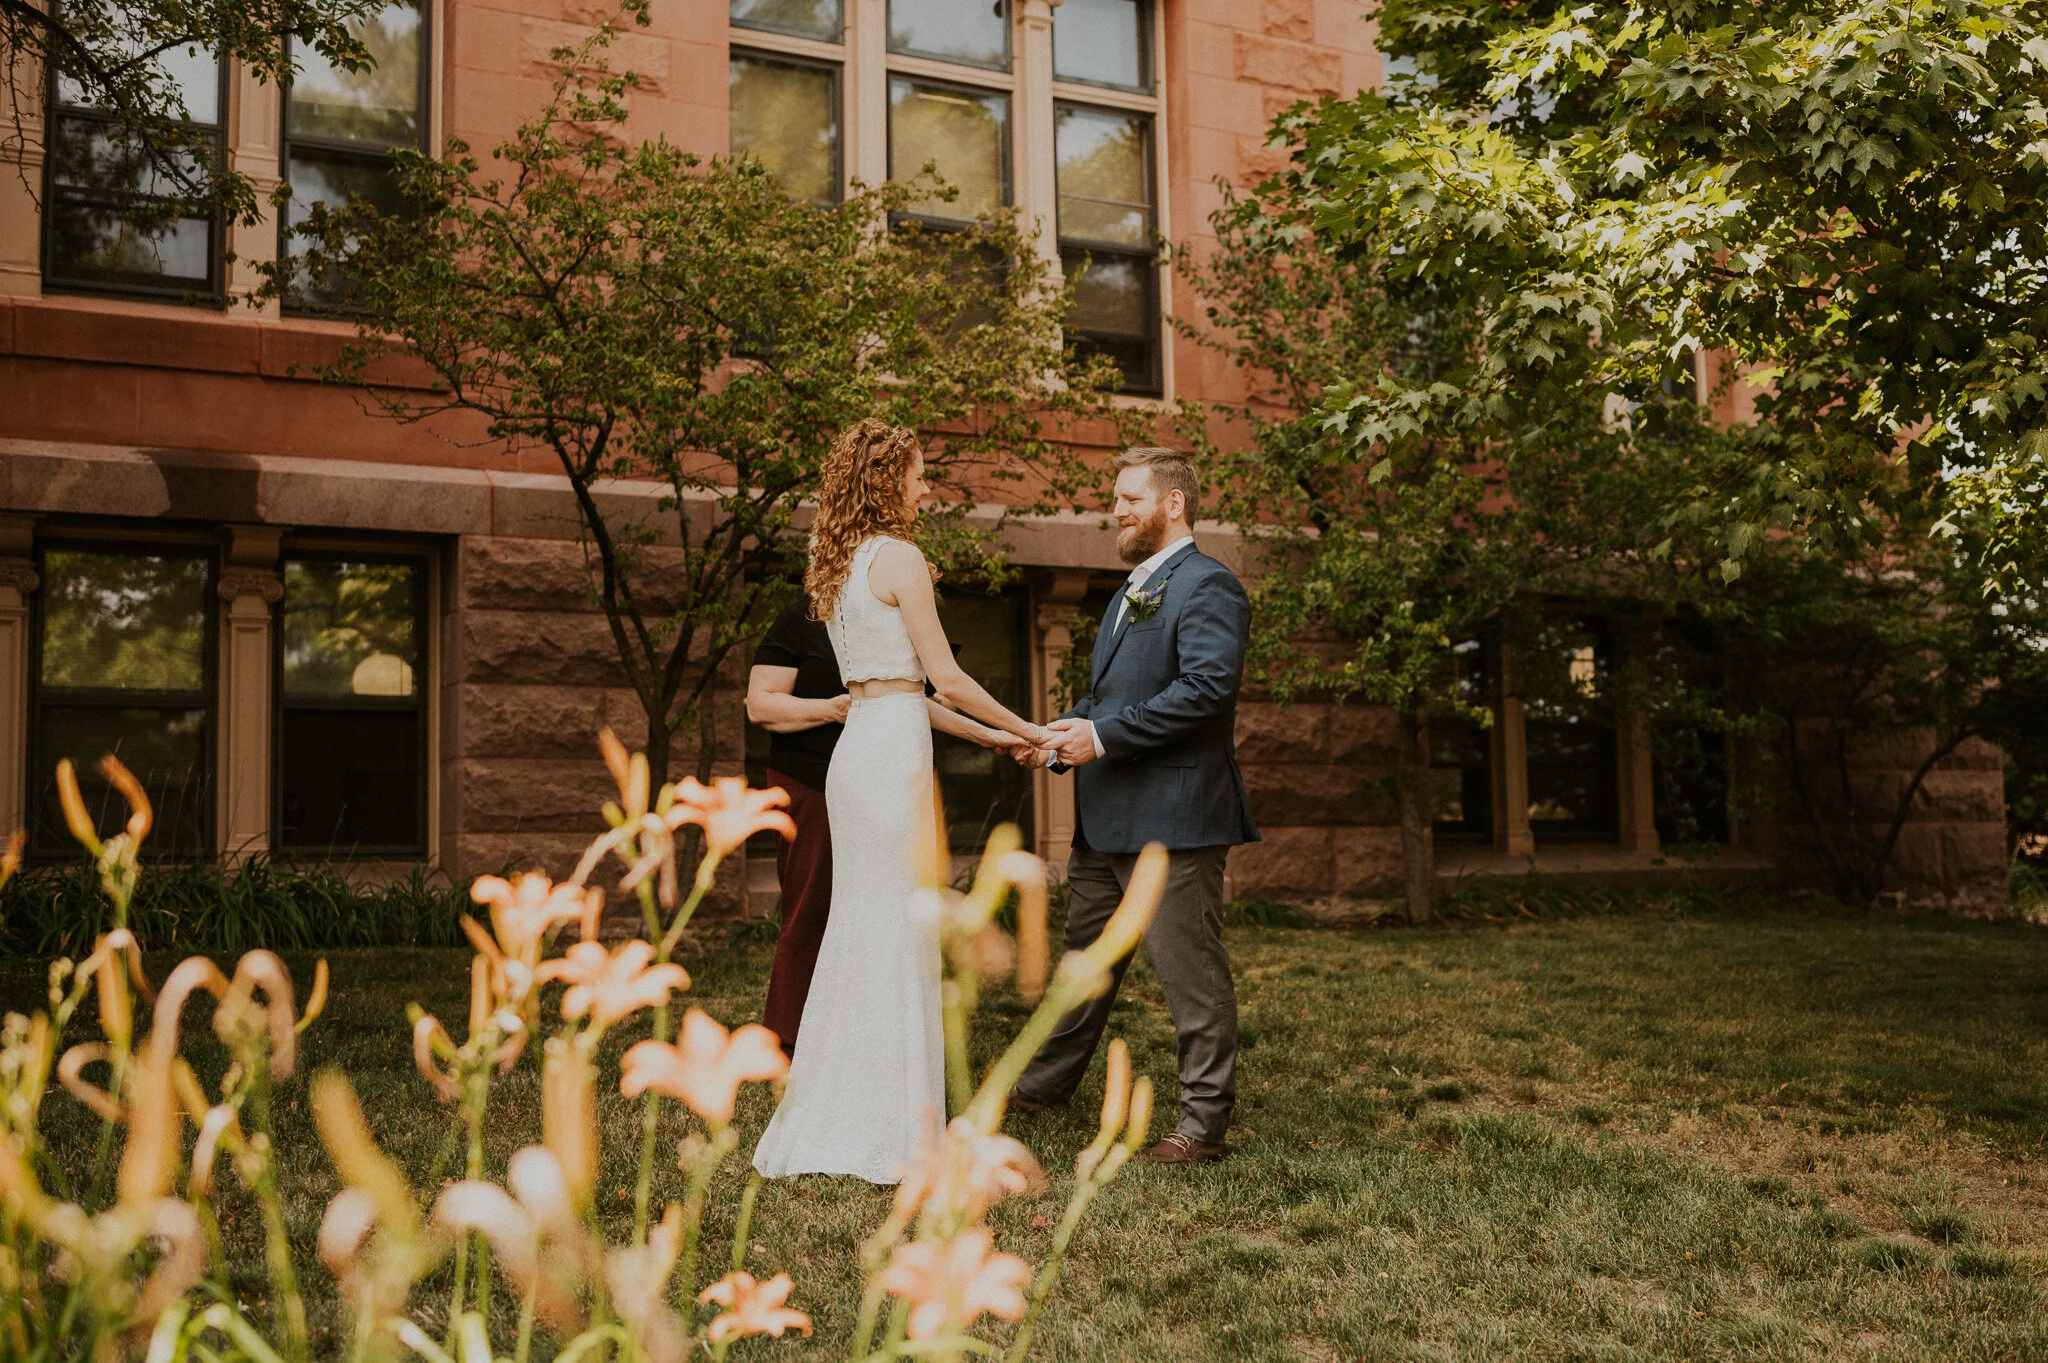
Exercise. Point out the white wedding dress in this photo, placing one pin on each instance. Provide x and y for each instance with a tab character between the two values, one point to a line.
869	1080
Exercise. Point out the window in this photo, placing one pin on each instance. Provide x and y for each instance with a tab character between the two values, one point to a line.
1104	162
968	87
1461	755
1572	778
1103	42
967	32
124	665
119	218
965	133
351	733
981	787
785	114
341	127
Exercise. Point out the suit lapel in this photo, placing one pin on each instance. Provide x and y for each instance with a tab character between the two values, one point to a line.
1157	582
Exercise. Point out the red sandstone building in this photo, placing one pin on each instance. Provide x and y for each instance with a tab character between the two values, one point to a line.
320	634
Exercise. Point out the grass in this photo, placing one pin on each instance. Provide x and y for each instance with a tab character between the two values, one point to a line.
1703	1135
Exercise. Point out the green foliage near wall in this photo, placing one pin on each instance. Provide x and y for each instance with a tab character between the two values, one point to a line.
57	911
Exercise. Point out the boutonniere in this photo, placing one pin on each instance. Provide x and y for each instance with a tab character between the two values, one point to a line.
1143	603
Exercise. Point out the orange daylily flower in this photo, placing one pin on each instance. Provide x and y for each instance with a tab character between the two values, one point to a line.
607	985
140	816
752	1308
705	1066
949	1284
729	814
522	911
965	1172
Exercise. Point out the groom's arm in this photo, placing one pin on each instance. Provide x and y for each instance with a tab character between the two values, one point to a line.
1209	650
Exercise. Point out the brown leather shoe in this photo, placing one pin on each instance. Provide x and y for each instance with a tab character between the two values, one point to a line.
1020	1103
1174	1148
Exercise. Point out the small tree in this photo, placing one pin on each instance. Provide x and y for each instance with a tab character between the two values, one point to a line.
643	314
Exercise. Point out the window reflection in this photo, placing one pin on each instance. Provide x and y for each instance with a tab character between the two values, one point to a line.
982	788
818	19
786	116
966	134
122	667
1103	42
1104	180
974	32
1572	784
351	725
1461	753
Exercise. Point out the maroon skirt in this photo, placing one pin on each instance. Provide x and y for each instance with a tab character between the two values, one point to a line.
803	864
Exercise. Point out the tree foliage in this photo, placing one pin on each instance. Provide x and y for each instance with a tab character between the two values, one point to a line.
1844	196
639	313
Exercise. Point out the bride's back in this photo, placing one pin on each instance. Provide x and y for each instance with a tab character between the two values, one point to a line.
869	636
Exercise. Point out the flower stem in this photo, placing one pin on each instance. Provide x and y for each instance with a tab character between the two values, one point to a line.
744	1225
722	1142
1085	1190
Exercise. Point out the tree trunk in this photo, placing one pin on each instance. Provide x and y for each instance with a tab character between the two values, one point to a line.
1411	781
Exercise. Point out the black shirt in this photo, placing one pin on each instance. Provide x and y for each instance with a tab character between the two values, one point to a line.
795	640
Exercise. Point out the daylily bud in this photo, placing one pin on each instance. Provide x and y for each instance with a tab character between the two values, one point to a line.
1126	927
1116	1092
1139	1128
316	1000
568	1116
356	1156
75	818
140	816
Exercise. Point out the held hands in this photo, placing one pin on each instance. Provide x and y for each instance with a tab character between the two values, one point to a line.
1073	742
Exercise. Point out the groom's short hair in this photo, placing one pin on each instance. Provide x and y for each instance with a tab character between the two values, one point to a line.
1171	471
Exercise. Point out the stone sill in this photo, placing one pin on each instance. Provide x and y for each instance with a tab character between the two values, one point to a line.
169	336
1608	867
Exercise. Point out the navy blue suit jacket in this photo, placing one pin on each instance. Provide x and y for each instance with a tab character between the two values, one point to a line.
1163	699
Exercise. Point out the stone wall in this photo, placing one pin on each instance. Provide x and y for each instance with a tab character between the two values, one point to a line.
1951	852
531	677
1318	775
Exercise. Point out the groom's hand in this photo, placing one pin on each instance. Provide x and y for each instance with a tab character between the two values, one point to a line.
1073	741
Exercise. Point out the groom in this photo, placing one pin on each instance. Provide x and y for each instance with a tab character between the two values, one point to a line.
1153	745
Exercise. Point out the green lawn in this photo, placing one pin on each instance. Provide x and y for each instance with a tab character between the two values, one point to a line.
1800	1135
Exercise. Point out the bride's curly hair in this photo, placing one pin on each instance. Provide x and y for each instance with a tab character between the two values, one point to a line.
861	496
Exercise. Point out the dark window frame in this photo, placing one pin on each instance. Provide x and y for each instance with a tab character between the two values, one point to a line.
1148	260
1020	598
362	153
419	703
1007	154
747	27
1148	65
1605	729
1009	64
206	698
114	283
837	70
1476	827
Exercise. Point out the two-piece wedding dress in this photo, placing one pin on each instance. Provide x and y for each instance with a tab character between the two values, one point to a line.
868	1082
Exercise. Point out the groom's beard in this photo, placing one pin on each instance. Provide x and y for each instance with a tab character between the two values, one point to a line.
1141	541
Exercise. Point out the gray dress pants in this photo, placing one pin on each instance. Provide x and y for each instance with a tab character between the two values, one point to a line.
1185	943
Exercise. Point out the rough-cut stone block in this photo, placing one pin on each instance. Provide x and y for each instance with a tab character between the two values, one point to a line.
501	795
1974	754
1286	864
477	854
1316	795
1973	856
1282	733
1961	796
1272	61
540	721
538	648
1291	19
1916	864
500	572
1367	734
646	57
1365	863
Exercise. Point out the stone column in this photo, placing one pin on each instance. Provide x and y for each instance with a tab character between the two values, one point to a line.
1636	777
17	581
867	76
255	122
1036	171
1053	796
250	586
1511	832
21	184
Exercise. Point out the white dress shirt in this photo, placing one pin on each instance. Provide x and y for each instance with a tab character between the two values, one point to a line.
1140	575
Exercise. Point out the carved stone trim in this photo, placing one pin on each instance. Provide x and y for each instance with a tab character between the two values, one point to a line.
237	583
20	574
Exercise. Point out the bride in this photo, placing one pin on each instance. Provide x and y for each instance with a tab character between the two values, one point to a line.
869	1080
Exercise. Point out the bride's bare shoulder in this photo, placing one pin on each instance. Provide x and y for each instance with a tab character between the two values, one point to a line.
898	554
